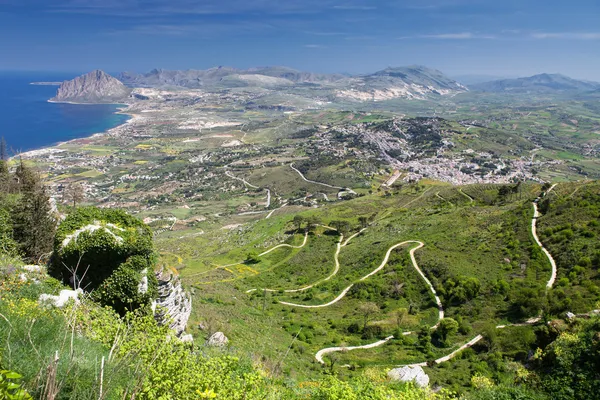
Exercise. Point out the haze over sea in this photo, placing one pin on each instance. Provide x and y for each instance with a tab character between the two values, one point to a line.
28	121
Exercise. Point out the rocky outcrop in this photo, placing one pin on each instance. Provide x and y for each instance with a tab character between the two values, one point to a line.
218	339
94	87
408	374
173	305
62	299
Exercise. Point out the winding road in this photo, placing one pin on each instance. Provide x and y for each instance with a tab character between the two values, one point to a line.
229	174
319	355
315	182
536	215
335	270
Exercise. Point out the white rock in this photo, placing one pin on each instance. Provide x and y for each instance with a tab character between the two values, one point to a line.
33	268
143	285
62	299
218	339
187	338
570	315
410	374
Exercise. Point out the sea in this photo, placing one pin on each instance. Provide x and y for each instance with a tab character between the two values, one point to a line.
28	121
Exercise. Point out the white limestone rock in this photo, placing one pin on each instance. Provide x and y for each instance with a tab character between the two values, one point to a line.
62	299
187	338
218	339
173	306
410	374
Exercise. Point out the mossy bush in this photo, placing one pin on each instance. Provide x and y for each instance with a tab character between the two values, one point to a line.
95	242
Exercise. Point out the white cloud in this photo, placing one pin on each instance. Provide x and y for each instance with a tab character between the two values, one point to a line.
451	36
567	35
315	46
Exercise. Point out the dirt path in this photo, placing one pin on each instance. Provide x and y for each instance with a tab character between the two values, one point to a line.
472	200
336	268
443	199
229	174
536	215
321	353
315	182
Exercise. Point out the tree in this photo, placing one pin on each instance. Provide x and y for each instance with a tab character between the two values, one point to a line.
363	221
33	223
368	311
445	330
252	257
3	150
73	193
298	221
400	315
312	222
341	226
424	340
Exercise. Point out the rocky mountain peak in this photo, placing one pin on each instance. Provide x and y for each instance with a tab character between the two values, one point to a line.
94	87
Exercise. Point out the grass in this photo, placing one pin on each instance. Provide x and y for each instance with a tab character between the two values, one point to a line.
488	239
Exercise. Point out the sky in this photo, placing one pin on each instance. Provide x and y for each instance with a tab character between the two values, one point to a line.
458	37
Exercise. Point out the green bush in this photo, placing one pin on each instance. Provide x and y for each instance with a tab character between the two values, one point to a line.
121	290
111	238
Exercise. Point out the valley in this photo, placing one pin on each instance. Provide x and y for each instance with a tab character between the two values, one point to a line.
402	221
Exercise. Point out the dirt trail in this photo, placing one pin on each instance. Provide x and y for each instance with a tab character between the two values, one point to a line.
315	182
229	174
536	215
336	268
319	355
472	200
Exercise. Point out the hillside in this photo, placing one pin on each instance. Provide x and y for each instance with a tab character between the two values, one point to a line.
541	83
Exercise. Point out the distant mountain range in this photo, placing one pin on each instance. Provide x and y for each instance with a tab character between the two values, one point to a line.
408	82
411	82
542	83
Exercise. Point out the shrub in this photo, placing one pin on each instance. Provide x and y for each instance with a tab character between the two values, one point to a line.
122	290
95	242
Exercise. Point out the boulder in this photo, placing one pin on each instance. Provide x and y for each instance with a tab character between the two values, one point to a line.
410	374
218	339
187	338
62	299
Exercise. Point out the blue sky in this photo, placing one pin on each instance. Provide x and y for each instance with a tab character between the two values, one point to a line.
505	38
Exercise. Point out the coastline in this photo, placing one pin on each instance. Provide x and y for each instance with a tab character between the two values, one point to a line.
54	148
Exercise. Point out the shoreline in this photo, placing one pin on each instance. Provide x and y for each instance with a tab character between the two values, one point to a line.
54	147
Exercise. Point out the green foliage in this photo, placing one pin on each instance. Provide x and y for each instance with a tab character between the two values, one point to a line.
569	367
98	250
8	246
445	330
10	386
121	290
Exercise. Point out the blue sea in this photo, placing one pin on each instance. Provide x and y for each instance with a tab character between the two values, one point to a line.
28	121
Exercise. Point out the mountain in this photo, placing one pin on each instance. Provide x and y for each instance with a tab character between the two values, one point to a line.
195	79
472	79
412	82
94	87
542	83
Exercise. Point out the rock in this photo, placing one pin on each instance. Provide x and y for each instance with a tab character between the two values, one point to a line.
187	338
173	305
570	315
33	268
94	87
408	374
218	339
62	299
143	285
